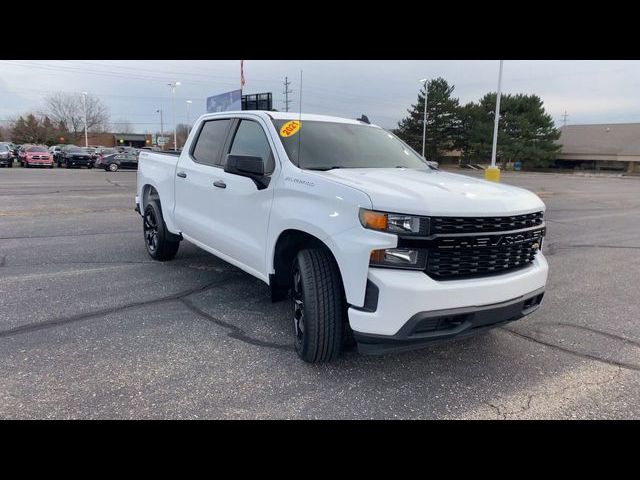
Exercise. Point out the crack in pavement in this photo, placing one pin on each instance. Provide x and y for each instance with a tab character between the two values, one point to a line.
501	410
588	356
613	336
70	235
32	327
234	331
599	246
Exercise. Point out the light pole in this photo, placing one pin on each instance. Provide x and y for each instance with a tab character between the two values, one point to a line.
493	173
84	107
173	107
161	126
189	102
424	123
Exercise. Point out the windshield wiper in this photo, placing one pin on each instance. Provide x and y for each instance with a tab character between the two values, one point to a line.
322	169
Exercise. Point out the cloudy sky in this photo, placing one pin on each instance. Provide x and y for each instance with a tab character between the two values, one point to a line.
589	91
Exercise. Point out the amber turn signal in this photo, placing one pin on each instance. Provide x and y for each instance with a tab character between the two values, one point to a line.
374	220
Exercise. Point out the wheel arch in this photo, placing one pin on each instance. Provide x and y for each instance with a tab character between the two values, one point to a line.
288	244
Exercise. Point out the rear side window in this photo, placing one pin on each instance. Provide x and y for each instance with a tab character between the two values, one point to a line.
210	142
250	139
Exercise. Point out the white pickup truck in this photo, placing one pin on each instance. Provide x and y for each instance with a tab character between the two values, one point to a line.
371	243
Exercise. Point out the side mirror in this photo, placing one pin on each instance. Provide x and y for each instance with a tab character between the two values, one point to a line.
248	166
244	165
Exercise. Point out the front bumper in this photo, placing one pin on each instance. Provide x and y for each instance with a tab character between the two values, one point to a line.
411	308
426	327
41	163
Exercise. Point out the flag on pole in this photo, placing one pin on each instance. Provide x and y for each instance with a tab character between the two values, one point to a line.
241	73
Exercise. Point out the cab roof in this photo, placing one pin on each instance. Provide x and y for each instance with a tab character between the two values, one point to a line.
296	116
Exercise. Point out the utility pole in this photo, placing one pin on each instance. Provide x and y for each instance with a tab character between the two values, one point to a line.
493	173
424	122
564	119
189	102
173	108
286	94
161	127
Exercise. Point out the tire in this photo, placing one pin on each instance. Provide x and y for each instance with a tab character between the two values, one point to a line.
160	243
67	165
26	165
10	165
318	306
113	167
89	167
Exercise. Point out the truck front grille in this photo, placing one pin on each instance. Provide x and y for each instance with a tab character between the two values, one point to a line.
479	255
444	225
467	247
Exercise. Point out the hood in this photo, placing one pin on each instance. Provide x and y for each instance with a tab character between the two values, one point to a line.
435	193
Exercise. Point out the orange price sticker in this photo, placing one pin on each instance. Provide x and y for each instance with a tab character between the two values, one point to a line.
290	128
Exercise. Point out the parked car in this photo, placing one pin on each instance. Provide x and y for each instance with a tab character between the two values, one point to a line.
371	243
55	150
75	157
114	162
6	156
105	152
36	155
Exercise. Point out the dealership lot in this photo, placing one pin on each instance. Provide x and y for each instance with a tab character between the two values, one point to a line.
90	327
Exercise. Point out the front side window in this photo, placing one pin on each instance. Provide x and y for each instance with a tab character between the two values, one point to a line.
210	142
326	145
250	139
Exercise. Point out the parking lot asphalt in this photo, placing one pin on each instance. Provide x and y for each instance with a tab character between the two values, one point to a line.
91	327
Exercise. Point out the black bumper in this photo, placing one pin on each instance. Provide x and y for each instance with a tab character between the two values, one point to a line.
427	327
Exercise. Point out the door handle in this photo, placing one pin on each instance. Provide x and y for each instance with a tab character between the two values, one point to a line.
181	174
219	184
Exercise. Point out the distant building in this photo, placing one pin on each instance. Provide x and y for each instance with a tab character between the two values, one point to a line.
612	146
137	140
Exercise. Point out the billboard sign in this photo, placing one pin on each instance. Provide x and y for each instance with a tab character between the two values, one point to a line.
225	102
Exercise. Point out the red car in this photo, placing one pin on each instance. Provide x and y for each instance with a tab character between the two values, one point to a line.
36	155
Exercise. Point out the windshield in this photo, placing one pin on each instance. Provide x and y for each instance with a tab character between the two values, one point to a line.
327	145
37	149
76	150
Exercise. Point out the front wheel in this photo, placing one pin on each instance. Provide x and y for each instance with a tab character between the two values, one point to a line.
113	167
318	306
160	243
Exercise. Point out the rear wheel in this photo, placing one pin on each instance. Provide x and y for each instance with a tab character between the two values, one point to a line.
318	306
161	244
113	167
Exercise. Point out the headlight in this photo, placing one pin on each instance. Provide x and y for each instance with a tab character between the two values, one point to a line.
413	259
394	222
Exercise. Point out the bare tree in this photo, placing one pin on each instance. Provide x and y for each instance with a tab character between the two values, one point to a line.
122	126
67	109
182	132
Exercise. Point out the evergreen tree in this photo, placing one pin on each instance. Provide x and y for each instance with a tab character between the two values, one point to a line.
443	121
526	133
